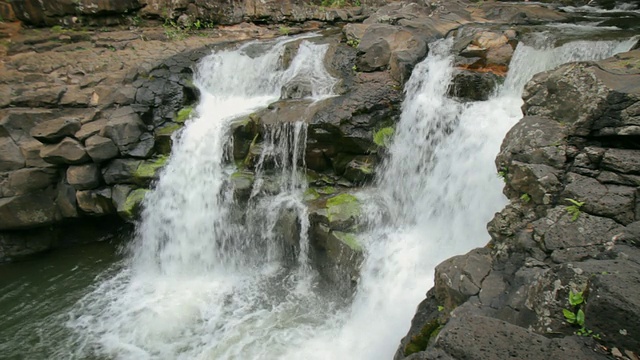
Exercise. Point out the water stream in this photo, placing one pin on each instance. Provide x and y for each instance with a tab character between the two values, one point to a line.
198	284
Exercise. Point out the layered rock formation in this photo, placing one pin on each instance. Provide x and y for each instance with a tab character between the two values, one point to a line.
562	266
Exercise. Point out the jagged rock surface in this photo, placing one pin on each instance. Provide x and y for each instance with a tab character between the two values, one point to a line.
576	146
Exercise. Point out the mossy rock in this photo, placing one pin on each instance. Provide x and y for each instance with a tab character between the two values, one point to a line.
163	141
311	194
360	169
183	114
349	239
242	184
133	204
343	211
420	341
148	170
383	136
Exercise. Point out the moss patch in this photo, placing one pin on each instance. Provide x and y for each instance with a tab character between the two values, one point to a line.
342	207
148	169
327	190
383	136
311	194
132	204
420	341
183	114
168	130
348	239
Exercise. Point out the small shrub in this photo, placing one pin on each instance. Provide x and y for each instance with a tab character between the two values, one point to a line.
574	208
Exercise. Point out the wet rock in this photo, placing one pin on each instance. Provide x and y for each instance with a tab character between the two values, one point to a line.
474	86
54	130
130	209
67	151
460	277
83	177
95	202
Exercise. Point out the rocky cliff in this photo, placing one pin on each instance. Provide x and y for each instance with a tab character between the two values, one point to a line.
562	268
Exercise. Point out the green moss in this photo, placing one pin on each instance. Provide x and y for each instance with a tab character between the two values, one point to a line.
383	136
342	207
327	190
420	341
311	194
132	203
249	158
148	169
184	114
348	239
167	130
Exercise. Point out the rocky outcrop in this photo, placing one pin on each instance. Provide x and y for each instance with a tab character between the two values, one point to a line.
559	277
183	12
83	125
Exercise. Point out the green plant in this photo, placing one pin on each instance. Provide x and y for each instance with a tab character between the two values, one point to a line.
525	198
383	136
284	30
503	174
574	208
354	68
576	316
353	42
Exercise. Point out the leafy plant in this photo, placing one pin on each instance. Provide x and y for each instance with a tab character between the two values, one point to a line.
577	316
353	42
284	30
574	208
525	198
503	174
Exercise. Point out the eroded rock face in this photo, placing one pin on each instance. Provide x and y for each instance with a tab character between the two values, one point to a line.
576	233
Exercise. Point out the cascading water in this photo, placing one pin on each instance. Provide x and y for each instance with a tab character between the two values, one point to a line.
201	286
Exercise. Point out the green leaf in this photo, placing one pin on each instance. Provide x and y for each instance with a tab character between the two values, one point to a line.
580	317
440	307
569	315
576	298
578	204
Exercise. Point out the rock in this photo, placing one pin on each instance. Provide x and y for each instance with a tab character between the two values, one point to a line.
95	202
148	170
480	337
297	88
55	130
84	177
66	200
28	180
460	277
613	307
133	204
67	151
124	128
91	128
11	157
120	171
474	86
29	210
100	149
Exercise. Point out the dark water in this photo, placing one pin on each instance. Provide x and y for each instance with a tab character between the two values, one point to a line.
36	294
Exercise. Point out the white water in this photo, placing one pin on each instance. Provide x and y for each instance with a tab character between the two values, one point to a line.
199	286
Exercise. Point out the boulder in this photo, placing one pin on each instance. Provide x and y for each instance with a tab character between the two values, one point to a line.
28	210
474	86
24	181
83	177
67	151
54	130
120	171
95	202
100	148
124	128
11	157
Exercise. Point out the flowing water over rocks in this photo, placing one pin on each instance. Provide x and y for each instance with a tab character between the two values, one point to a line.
249	248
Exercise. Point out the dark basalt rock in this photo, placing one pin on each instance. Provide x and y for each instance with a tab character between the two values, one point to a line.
543	249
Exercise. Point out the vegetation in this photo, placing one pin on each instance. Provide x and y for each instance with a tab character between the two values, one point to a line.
184	114
574	208
383	136
284	30
353	42
576	315
525	198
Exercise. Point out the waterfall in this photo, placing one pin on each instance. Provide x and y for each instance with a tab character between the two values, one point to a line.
202	285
